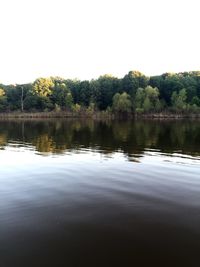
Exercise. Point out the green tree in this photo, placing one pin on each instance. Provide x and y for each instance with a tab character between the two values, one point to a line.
90	109
13	94
178	100
147	105
61	94
122	103
139	100
69	101
196	101
76	108
132	81
104	89
85	93
3	100
153	95
147	99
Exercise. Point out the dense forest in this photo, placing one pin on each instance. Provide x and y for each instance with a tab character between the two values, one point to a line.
134	93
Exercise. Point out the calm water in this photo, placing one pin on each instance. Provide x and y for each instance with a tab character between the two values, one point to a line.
84	193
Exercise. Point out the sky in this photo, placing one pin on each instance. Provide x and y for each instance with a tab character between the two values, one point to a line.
87	38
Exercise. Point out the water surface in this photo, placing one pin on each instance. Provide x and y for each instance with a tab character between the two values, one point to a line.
88	193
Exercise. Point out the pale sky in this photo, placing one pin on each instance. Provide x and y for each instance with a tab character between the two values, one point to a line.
87	38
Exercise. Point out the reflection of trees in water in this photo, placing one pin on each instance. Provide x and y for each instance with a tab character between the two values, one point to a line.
130	137
146	134
43	143
186	137
122	131
3	140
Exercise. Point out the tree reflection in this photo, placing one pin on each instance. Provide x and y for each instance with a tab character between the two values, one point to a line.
130	137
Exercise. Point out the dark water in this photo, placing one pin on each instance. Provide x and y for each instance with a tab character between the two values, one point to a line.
85	193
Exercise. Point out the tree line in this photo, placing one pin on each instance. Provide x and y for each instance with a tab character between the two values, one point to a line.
134	93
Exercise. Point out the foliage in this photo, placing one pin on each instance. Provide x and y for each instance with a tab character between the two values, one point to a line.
179	100
90	109
76	108
43	87
2	92
3	100
122	103
133	80
135	92
147	99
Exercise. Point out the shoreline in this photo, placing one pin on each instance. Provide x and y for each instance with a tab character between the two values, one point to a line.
97	115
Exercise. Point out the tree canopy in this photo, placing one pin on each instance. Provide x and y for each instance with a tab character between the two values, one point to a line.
135	92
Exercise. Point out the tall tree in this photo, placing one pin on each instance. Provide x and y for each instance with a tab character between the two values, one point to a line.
179	100
132	81
43	87
122	103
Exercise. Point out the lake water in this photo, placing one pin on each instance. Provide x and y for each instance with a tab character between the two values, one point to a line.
87	193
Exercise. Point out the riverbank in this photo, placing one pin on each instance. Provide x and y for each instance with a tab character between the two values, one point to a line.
53	114
168	116
96	115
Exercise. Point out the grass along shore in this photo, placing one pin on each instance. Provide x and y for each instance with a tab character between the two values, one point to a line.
95	115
